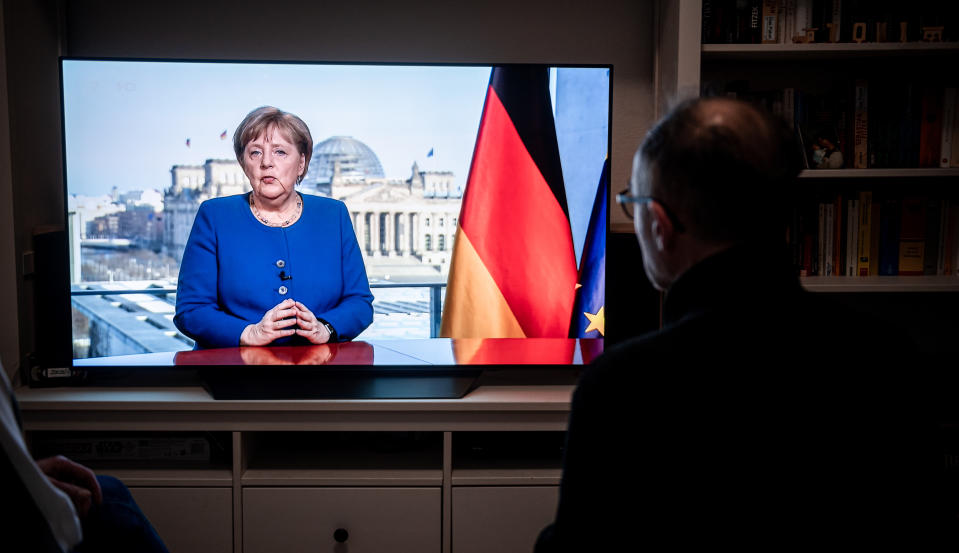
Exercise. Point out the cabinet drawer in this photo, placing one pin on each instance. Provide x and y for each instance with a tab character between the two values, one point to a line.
376	519
190	519
500	518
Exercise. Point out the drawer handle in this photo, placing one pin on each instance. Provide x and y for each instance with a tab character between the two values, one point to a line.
341	535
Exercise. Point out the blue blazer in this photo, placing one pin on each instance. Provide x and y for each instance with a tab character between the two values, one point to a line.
231	271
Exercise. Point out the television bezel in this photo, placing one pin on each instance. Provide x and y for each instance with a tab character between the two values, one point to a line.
63	372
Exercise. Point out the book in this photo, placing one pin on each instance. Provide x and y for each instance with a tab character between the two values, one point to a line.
930	129
874	238
838	263
865	232
821	241
954	153
830	221
802	20
770	16
948	123
912	242
707	37
944	242
933	216
861	125
952	248
789	23
835	19
852	237
789	106
889	237
781	21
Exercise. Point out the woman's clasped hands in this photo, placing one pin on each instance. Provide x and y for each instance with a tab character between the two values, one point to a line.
285	319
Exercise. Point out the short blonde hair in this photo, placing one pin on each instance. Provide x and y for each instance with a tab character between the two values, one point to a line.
261	120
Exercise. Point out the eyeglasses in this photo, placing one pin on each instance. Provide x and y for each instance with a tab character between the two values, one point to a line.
625	199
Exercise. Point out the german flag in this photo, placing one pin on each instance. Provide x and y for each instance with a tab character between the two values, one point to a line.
513	273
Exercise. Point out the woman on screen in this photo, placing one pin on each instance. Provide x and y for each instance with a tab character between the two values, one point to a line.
272	266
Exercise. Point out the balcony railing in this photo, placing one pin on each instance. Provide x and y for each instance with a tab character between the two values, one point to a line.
435	295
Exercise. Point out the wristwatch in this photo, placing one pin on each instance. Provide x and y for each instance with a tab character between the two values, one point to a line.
329	328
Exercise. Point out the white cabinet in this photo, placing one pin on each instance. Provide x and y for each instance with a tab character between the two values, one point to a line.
189	520
356	520
503	519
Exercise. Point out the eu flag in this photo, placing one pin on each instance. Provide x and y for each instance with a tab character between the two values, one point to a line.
589	312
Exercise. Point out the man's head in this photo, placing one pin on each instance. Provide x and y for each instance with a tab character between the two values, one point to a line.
713	173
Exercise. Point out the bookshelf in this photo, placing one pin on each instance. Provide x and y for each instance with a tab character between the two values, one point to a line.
686	66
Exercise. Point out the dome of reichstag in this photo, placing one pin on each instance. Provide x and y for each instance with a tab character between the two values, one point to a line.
356	160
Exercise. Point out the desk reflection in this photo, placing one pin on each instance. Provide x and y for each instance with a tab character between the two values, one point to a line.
411	353
344	353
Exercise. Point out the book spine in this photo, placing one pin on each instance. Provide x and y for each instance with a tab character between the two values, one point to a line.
948	123
769	21
874	238
912	243
943	237
861	125
803	18
953	254
790	23
837	261
853	246
828	257
930	129
781	22
707	37
821	241
889	237
836	20
933	213
789	106
954	154
865	234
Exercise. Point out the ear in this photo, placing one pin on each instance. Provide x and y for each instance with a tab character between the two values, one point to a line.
302	166
661	227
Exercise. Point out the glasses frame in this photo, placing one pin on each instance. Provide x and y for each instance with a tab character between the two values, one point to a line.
624	198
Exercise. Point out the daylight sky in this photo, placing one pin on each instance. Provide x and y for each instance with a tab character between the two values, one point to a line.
126	123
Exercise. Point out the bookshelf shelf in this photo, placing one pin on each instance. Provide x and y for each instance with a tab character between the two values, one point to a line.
885	284
878	173
824	50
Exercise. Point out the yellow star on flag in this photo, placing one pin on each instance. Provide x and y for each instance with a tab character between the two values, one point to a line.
597	321
578	286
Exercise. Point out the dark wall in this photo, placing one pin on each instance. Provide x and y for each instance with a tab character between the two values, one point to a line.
617	32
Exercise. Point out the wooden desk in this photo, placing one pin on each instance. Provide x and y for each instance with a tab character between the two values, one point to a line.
479	473
420	352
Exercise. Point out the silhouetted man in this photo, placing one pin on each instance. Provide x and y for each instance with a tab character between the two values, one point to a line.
760	416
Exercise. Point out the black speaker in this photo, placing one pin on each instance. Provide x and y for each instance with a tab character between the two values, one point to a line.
52	316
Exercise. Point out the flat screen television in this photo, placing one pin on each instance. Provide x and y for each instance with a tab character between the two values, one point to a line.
455	178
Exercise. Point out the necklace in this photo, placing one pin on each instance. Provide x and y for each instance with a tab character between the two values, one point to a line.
288	222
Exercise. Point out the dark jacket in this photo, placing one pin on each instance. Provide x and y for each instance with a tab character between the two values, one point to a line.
759	416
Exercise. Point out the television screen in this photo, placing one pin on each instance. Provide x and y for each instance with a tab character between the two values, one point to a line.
475	198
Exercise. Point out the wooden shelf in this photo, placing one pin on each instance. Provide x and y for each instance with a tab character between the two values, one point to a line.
338	477
937	283
154	477
825	50
532	476
877	173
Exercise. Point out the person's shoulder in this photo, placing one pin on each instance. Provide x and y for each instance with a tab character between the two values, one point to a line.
621	362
